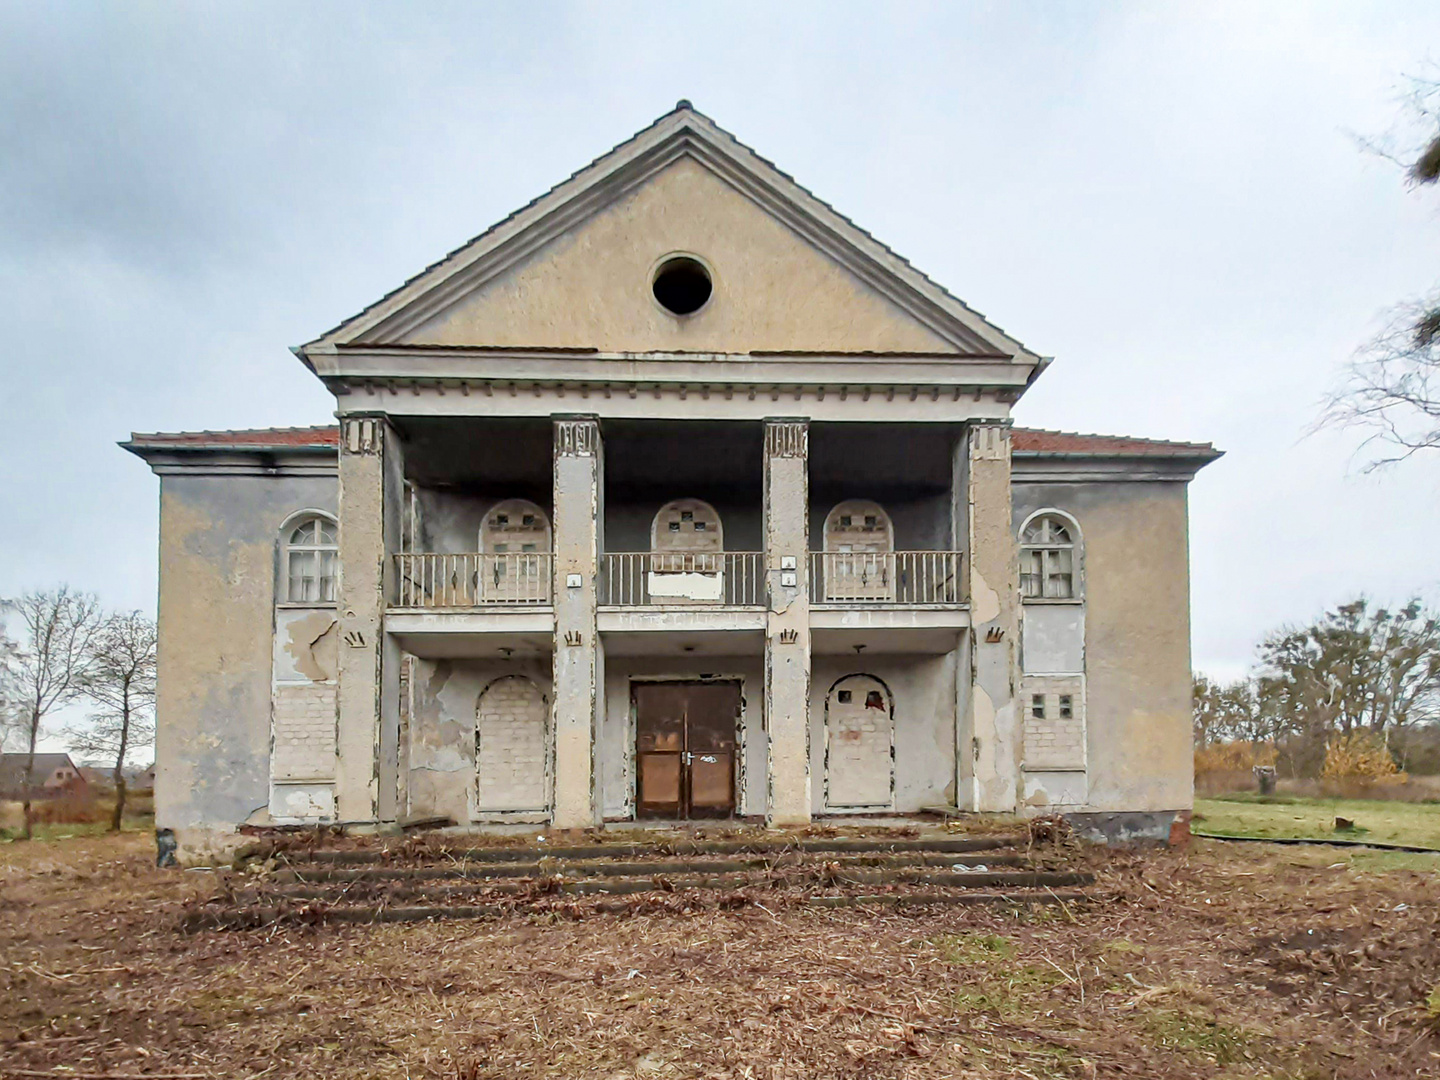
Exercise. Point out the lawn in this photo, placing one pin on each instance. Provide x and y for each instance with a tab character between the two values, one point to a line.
1234	961
1415	824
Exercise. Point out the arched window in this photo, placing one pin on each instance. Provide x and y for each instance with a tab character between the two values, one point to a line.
1049	557
310	558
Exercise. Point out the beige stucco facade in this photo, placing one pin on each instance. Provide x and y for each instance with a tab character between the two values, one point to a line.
781	487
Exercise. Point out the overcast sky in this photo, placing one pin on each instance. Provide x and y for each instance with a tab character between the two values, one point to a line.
1167	198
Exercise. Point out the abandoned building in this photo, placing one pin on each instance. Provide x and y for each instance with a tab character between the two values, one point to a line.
674	495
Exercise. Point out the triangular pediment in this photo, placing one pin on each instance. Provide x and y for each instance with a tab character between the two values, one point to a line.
573	269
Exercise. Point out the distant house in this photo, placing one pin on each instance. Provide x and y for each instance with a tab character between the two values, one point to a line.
140	779
100	778
53	775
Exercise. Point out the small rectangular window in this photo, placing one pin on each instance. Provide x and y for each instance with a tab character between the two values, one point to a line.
1037	706
527	547
871	521
843	696
502	519
699	526
687	515
527	520
501	549
1066	708
674	526
845	521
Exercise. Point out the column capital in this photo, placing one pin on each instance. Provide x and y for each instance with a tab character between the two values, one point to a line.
990	441
362	434
787	437
577	436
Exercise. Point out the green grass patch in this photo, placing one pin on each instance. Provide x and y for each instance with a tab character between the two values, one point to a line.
974	949
1283	817
1194	1034
1006	993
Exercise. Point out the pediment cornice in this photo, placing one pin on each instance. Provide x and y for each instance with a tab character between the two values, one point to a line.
682	133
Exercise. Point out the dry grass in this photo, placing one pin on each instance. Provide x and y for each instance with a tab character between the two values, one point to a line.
1254	962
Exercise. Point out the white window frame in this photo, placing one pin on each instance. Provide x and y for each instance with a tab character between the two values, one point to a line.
289	549
1049	550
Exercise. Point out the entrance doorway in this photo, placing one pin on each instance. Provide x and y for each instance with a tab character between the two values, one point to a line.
685	749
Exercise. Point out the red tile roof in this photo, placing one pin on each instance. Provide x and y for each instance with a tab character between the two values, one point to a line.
1025	441
1039	441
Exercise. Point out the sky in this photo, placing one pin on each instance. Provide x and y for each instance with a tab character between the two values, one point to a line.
1171	199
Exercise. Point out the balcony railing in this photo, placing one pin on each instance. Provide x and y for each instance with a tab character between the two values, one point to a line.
644	578
886	577
471	579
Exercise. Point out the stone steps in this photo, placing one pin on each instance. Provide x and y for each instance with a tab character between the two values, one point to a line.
630	883
424	878
258	916
660	846
303	873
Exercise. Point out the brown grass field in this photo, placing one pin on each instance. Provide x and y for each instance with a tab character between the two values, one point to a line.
1223	961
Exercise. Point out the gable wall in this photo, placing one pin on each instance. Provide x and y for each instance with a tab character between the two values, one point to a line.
1137	637
218	549
591	288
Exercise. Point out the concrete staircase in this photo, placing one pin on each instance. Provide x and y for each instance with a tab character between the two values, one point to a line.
436	876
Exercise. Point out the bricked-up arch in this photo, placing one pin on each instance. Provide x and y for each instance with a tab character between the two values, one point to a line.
860	539
515	542
515	525
859	744
512	748
687	535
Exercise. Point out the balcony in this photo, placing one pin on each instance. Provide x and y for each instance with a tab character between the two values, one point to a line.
728	579
901	578
434	580
664	578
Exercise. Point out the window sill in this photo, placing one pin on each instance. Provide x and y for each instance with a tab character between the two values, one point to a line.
1058	601
316	605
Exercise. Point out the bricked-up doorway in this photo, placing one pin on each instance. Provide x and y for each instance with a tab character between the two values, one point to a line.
685	749
859	745
511	748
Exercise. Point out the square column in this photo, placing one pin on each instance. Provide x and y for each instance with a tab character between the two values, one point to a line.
371	468
579	472
989	745
787	630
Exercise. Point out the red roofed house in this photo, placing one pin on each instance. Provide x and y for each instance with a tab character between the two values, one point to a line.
673	495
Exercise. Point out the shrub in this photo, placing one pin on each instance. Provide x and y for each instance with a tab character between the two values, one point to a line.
1360	755
1239	756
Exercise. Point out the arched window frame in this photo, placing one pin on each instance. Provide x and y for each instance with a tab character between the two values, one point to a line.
323	556
1052	568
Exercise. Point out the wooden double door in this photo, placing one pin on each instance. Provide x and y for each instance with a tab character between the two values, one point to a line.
685	736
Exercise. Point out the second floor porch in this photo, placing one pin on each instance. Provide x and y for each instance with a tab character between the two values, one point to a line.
516	580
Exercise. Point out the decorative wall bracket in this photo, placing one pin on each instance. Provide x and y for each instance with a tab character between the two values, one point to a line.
995	635
789	637
573	637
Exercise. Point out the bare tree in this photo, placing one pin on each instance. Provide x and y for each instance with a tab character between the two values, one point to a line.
52	664
10	722
121	682
1391	387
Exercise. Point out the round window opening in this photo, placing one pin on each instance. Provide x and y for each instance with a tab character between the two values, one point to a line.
681	285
